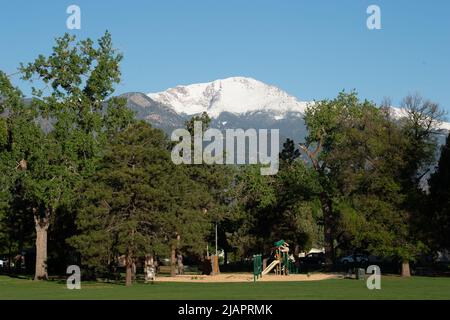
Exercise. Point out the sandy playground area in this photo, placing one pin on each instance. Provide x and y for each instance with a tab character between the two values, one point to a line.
248	277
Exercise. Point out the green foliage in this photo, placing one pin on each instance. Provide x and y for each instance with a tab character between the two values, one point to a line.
138	202
365	167
215	182
289	152
74	156
270	208
54	142
20	139
118	201
439	233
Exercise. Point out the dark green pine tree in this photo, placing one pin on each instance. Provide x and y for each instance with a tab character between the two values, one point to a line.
440	199
138	203
289	153
119	203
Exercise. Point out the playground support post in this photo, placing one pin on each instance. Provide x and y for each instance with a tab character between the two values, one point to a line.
257	267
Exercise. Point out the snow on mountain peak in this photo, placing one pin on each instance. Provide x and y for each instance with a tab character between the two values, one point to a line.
237	95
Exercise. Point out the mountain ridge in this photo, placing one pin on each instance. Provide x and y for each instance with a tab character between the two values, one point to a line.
237	95
236	102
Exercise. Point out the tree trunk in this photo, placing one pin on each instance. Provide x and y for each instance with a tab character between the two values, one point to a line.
328	226
173	260
149	260
41	226
405	269
225	257
296	251
129	267
180	266
133	270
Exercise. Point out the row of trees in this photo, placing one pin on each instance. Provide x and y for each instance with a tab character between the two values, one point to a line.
96	185
359	182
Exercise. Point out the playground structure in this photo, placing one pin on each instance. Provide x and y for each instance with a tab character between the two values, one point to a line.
282	264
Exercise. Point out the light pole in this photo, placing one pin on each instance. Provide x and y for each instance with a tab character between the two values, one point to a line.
216	239
205	212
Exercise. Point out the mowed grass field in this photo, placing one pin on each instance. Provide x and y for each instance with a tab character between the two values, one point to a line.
391	288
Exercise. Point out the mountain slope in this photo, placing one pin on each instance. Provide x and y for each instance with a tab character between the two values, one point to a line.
158	114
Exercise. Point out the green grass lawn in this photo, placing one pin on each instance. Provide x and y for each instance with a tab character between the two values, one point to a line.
391	288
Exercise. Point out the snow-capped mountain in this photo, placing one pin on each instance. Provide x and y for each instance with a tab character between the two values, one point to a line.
236	102
238	95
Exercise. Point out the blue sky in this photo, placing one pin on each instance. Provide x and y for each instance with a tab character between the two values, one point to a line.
311	49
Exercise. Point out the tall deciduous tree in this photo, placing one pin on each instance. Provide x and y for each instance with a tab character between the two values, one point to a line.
324	120
420	127
368	167
20	140
76	79
371	164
